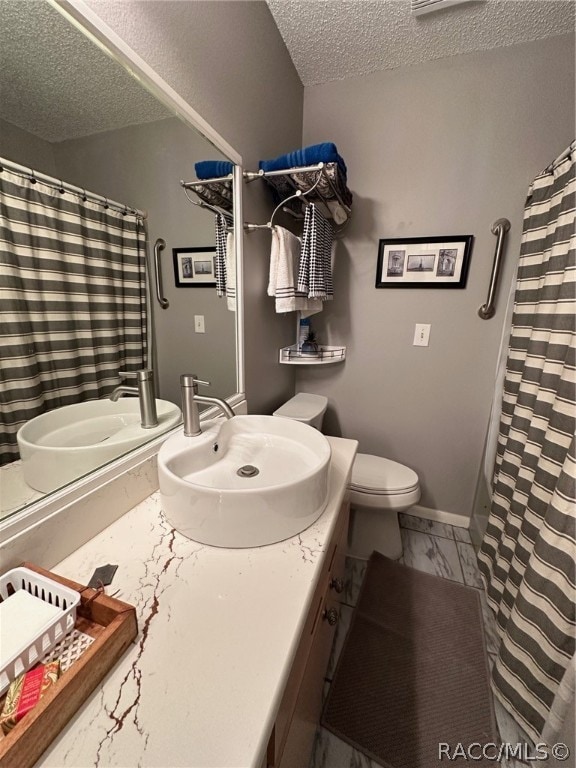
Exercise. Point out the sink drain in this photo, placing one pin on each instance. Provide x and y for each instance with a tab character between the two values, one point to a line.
248	471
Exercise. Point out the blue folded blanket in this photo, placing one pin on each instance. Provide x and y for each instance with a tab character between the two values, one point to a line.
213	169
316	153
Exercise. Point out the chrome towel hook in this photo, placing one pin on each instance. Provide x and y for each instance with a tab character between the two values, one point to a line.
499	228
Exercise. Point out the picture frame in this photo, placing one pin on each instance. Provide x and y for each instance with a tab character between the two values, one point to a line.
195	267
424	262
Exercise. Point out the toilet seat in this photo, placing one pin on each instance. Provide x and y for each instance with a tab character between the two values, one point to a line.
372	492
378	476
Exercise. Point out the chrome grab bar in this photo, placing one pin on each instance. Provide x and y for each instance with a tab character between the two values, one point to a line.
499	228
159	246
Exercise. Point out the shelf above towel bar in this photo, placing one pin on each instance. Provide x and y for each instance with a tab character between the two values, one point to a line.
213	208
205	182
253	175
214	194
325	195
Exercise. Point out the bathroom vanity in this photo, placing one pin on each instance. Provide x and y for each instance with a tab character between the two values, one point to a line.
228	665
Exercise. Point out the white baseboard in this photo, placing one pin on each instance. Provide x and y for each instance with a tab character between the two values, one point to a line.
451	518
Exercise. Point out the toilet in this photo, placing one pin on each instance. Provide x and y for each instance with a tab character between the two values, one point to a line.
379	488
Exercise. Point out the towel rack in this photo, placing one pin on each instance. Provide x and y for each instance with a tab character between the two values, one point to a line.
205	182
499	228
207	206
288	173
194	186
297	195
220	203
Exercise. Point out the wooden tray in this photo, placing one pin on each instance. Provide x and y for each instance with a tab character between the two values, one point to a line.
113	625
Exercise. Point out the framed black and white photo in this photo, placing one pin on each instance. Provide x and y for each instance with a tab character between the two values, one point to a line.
424	262
194	267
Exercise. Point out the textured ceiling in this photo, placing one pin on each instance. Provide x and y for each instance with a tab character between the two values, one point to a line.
57	84
335	39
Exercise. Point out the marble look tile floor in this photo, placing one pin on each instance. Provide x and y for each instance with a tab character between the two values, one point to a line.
436	548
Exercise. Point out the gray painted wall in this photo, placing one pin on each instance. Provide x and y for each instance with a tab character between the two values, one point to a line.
24	148
142	166
228	61
446	147
443	148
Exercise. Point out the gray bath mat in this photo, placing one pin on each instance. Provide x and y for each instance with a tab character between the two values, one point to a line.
413	673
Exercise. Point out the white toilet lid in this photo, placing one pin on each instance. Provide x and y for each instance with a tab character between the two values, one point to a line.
375	474
303	407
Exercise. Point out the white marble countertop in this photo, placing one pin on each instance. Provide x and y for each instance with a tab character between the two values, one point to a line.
218	630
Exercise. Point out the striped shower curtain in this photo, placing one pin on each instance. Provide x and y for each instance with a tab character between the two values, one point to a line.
72	300
527	558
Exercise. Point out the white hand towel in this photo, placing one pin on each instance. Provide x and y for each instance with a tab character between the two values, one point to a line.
338	213
284	260
230	273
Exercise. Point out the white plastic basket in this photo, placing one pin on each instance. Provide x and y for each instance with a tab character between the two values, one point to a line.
51	633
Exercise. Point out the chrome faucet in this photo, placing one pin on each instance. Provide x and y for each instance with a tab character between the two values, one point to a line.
190	398
145	393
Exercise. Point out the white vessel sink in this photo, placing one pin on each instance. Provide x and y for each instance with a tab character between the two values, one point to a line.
66	443
245	482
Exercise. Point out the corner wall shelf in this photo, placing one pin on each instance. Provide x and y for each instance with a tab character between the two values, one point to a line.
325	356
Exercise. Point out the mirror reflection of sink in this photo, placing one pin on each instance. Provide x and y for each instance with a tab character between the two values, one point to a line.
66	443
245	482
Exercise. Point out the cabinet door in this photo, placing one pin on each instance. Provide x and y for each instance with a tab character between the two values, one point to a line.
297	673
298	746
306	715
338	562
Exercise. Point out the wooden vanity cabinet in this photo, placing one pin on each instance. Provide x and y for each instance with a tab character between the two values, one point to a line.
292	738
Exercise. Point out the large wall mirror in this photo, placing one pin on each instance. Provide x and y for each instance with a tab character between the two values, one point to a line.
71	111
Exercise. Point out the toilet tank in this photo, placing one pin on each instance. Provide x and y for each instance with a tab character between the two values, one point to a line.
309	409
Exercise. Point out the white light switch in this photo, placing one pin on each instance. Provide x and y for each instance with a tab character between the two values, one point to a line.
199	324
421	335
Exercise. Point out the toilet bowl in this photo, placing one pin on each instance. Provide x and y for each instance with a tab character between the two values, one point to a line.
379	488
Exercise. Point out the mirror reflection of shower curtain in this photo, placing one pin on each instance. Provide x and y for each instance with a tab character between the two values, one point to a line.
72	300
528	555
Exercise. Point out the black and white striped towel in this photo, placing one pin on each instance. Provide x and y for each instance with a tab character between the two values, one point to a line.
221	231
315	271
